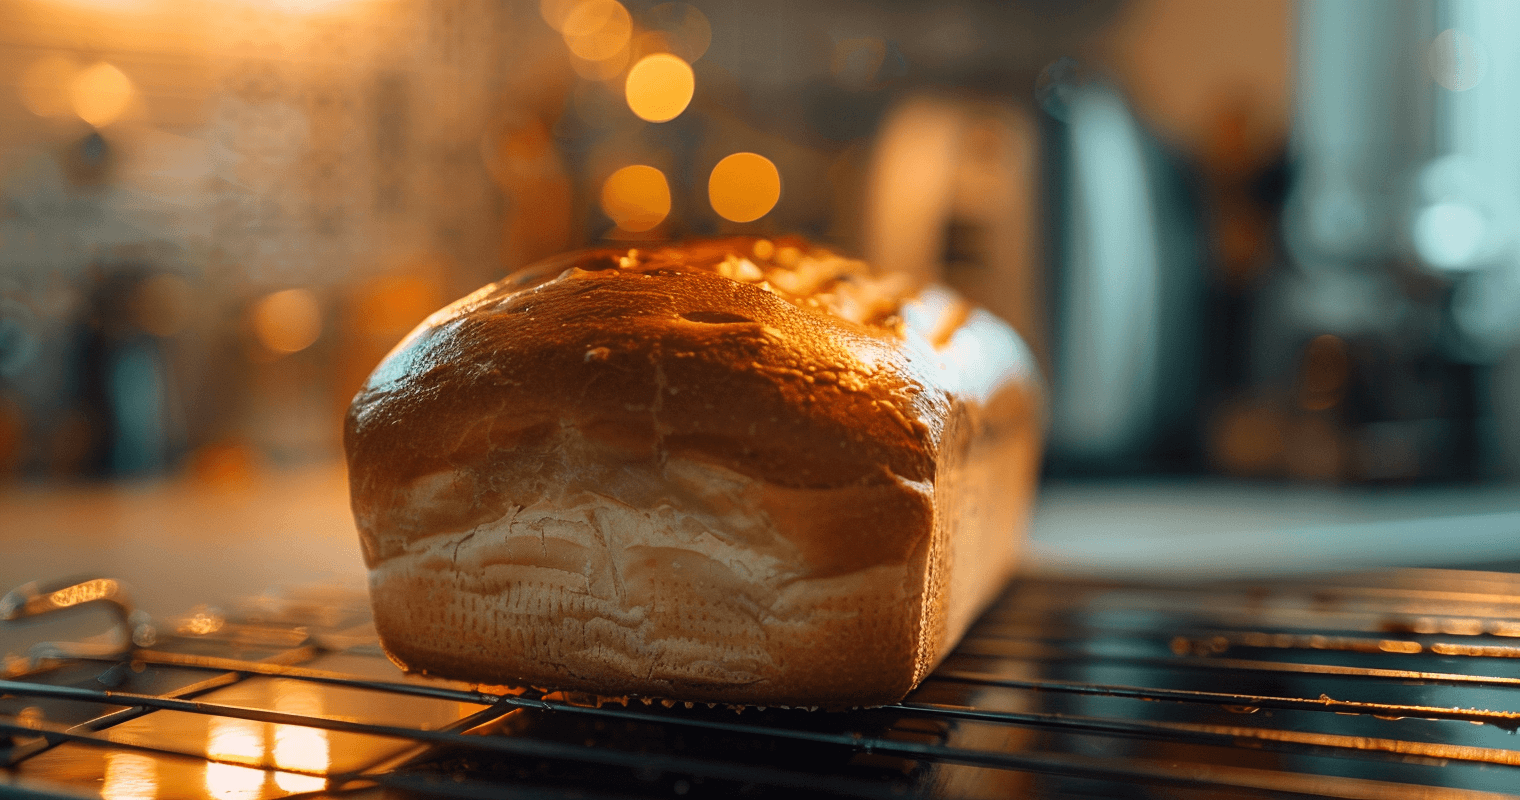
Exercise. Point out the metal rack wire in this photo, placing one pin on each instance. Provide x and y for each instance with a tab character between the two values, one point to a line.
1366	686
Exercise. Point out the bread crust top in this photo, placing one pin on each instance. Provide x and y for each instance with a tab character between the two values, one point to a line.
797	369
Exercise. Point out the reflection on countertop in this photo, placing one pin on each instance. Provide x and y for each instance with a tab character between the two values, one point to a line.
183	541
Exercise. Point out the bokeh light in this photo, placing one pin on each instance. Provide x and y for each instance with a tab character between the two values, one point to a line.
596	30
637	197
45	86
1449	235
685	29
659	87
744	187
554	12
1457	61
288	321
100	94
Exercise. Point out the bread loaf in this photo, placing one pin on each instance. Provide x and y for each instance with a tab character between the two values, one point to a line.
729	471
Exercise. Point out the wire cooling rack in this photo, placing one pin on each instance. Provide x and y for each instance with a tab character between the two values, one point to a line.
1388	685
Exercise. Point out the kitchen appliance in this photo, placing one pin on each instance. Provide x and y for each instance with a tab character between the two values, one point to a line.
1381	685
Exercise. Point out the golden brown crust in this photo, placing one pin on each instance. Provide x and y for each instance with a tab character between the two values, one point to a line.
747	403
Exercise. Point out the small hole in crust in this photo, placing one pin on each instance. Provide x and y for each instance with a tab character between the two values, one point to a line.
714	317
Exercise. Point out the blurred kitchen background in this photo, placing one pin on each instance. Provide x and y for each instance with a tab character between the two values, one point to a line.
1258	240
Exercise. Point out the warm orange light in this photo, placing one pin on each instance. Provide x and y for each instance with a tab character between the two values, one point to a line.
554	12
45	86
308	6
232	782
129	776
390	306
110	5
288	321
744	187
83	592
660	87
637	198
597	30
297	747
100	94
239	741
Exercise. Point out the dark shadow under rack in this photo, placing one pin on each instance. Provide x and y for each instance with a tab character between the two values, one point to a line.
1386	685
